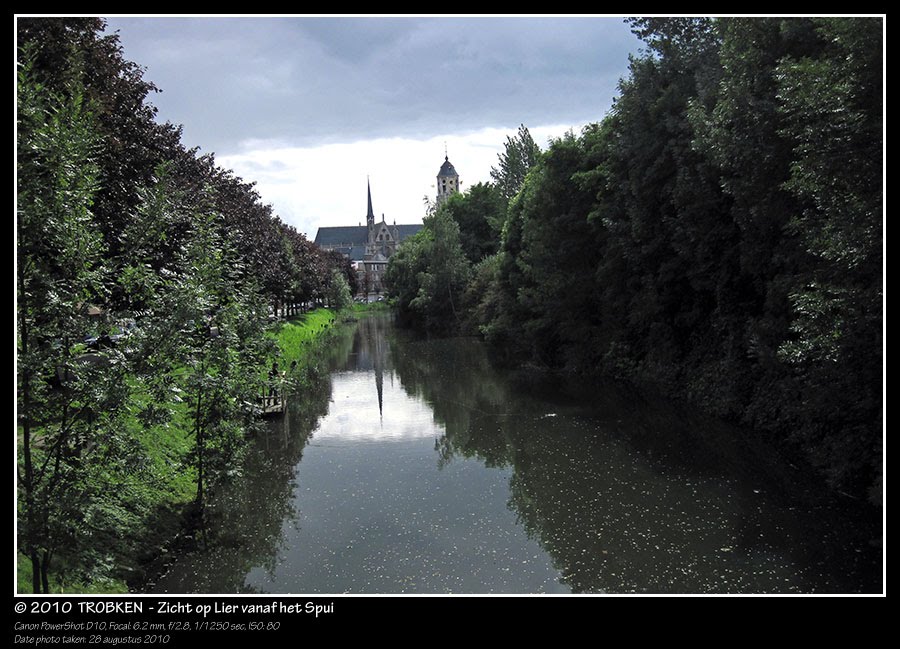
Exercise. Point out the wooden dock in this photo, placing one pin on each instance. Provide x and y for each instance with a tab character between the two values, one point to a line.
272	407
271	401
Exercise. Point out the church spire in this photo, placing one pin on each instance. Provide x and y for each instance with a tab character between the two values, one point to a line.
370	215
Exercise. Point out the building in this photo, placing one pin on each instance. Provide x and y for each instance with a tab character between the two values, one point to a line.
370	246
447	181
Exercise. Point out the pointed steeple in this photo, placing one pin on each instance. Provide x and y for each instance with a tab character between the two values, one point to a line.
370	214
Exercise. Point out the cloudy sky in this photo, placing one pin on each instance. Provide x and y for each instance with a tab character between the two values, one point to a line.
309	107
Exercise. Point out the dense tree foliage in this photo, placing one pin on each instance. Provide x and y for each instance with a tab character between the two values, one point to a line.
718	235
479	213
68	400
339	295
146	276
429	273
519	155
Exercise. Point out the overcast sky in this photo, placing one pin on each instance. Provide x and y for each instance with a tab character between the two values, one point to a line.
308	107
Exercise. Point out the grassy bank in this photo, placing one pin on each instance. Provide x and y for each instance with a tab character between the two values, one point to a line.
371	307
153	506
148	504
23	578
296	336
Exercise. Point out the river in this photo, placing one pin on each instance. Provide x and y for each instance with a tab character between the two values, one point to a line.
415	466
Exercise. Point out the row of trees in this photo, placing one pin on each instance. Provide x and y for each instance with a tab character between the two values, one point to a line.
718	234
118	222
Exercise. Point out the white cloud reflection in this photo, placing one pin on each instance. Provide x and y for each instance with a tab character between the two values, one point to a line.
401	418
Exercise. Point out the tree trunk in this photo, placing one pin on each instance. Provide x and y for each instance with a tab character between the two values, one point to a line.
199	439
35	572
30	523
45	571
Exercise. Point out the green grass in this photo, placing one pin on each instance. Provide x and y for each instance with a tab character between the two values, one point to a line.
371	307
24	574
164	445
164	484
296	337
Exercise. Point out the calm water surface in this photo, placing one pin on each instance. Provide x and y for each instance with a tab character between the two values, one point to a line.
413	466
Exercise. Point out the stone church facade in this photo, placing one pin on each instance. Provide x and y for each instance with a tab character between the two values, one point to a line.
370	246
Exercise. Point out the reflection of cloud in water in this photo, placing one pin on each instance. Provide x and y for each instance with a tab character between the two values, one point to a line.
403	418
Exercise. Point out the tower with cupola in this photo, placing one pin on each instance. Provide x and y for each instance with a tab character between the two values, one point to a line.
447	181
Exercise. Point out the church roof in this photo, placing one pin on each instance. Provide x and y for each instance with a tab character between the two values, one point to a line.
447	169
408	230
351	239
351	234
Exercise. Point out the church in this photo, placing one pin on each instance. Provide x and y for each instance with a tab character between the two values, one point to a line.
370	246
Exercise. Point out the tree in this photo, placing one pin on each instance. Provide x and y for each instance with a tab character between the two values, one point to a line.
442	283
479	212
338	294
429	272
403	269
69	400
338	261
131	144
200	350
222	345
831	106
520	153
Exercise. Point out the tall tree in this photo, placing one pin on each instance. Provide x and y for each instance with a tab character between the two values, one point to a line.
220	349
131	143
338	292
831	106
520	153
429	273
68	400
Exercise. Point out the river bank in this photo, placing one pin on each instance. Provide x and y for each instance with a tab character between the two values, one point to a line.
157	510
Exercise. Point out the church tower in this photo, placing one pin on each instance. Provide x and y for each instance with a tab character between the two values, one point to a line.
447	181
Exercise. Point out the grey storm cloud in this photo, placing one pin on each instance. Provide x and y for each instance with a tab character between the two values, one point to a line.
307	81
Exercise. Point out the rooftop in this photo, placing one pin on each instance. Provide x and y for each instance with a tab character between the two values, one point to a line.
447	169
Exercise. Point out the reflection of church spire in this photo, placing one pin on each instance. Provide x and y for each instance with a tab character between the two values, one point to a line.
371	355
378	362
379	382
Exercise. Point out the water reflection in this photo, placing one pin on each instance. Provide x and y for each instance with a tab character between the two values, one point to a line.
630	496
247	515
415	466
365	409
